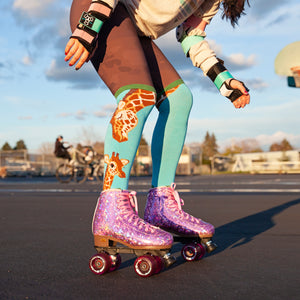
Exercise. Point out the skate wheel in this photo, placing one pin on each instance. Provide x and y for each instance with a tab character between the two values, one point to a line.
145	265
115	262
201	251
159	264
100	263
191	252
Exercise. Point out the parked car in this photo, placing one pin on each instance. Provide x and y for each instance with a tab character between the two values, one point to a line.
19	167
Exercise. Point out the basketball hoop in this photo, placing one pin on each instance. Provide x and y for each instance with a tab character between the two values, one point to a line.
296	75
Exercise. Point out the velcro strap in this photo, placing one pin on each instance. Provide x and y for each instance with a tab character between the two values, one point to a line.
100	9
221	78
83	35
91	22
215	70
189	41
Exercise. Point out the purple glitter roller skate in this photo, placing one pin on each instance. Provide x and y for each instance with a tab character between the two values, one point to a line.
164	209
117	229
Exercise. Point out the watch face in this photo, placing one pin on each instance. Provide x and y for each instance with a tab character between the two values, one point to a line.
87	20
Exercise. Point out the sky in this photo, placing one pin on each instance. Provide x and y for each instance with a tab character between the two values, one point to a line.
42	97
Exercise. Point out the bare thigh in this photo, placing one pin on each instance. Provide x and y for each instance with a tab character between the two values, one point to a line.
123	58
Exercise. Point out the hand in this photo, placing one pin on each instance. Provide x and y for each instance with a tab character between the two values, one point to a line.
243	100
78	53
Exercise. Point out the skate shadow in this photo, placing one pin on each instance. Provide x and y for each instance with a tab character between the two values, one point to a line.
233	234
244	230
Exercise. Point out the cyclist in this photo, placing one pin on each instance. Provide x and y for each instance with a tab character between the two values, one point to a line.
60	150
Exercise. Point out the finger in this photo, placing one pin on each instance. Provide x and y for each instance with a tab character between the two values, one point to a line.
69	46
73	50
235	84
242	88
76	56
242	101
83	59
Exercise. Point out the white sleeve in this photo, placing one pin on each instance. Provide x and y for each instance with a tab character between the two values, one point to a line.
202	56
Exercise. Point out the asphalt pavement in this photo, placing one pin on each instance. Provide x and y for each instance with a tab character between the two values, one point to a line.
46	241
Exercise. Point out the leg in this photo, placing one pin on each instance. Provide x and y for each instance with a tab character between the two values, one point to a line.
169	135
174	104
120	61
164	206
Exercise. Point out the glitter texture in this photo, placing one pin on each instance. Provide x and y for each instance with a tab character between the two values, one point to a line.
163	209
116	219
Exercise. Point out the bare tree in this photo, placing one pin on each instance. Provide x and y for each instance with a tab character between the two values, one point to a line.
243	146
46	148
88	136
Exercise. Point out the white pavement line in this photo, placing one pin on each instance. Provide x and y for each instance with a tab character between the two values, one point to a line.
262	191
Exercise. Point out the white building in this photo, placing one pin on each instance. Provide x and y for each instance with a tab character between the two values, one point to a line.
267	162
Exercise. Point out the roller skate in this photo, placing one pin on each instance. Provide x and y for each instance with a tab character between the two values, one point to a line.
118	229
164	209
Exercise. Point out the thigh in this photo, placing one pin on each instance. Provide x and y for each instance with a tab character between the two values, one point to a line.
119	57
162	72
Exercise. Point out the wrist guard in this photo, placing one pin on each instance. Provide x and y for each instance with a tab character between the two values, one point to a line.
232	94
219	75
90	24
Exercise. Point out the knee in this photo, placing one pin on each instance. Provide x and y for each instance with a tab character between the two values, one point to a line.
178	103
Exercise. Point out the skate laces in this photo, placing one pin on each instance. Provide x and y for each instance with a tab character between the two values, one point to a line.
126	207
177	206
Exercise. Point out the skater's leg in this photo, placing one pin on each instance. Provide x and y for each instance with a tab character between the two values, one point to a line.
169	134
164	206
124	134
120	61
174	104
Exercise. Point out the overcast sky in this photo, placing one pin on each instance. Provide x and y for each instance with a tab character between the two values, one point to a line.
41	97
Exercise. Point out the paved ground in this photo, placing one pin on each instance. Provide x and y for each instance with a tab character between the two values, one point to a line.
46	241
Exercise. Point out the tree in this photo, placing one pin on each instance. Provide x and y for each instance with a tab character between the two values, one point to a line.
20	145
46	148
243	146
6	147
284	145
209	146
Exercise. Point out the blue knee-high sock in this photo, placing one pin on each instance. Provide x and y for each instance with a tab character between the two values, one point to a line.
169	135
124	133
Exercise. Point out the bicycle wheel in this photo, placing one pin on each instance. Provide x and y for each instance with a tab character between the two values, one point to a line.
64	173
98	173
81	173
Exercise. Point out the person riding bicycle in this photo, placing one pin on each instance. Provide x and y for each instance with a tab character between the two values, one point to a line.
60	150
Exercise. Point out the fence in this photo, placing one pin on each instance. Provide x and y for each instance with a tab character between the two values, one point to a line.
22	163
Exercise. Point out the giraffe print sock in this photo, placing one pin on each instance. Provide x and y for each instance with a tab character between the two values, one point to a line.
169	134
124	133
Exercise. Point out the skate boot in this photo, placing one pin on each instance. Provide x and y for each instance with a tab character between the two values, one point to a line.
117	228
164	209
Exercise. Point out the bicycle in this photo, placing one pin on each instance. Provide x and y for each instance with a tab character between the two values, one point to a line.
84	164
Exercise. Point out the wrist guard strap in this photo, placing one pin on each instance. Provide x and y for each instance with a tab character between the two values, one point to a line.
190	41
218	74
89	21
100	10
187	41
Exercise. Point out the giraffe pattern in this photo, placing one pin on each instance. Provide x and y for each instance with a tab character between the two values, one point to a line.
124	118
166	94
114	167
